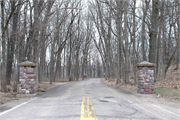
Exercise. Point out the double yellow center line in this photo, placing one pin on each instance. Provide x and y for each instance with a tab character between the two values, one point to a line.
87	109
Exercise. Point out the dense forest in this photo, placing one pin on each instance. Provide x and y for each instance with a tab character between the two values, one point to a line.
75	38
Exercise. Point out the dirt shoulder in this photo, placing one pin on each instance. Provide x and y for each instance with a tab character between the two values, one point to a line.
10	99
164	95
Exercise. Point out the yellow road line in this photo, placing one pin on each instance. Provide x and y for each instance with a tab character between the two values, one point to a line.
87	109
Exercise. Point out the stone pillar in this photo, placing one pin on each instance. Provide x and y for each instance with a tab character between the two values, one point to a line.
27	78
145	75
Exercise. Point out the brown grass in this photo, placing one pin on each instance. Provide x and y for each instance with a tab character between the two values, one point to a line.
168	88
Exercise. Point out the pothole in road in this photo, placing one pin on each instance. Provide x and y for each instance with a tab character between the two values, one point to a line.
109	97
104	101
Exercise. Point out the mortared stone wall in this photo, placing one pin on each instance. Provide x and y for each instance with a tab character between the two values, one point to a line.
145	77
27	80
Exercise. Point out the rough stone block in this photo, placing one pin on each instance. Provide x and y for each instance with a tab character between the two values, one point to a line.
22	80
151	92
151	81
141	87
152	88
147	80
141	91
146	77
141	84
146	90
142	81
147	86
140	68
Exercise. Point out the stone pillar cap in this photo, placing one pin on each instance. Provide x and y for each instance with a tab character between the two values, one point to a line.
27	64
145	64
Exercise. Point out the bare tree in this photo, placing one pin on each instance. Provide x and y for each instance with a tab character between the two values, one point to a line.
153	31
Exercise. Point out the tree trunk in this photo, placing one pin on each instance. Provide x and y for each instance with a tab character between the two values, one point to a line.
119	26
11	43
126	43
143	35
153	31
52	63
134	43
3	64
69	60
64	65
178	36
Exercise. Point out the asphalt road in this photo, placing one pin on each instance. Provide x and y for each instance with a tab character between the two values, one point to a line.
88	100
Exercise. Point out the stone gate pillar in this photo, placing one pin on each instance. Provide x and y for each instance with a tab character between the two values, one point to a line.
145	75
27	78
